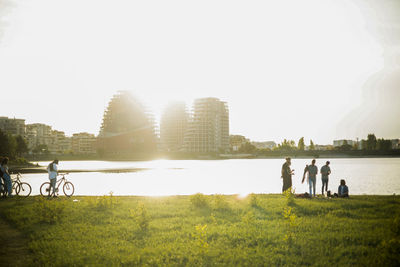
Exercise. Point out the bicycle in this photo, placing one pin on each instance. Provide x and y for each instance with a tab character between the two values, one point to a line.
18	188
21	188
68	187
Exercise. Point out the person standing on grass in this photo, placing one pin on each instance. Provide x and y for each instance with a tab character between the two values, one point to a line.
52	170
325	171
6	176
287	175
312	177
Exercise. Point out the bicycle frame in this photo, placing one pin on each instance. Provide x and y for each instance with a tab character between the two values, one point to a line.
59	182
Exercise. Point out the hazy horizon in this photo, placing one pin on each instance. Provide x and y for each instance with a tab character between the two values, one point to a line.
324	70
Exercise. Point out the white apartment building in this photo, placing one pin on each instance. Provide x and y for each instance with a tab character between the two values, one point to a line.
208	130
13	126
83	143
337	143
39	134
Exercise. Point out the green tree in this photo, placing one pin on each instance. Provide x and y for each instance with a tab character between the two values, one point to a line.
371	142
22	147
247	148
312	146
300	144
355	146
39	149
8	145
286	145
383	144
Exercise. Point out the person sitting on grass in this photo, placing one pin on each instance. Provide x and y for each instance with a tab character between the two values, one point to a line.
343	190
6	176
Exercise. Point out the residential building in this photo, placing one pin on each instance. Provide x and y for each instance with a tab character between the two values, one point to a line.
39	134
395	143
337	143
208	130
173	125
236	141
13	126
62	143
83	143
264	145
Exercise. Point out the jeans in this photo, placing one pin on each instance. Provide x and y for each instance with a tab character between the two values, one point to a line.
52	185
8	183
324	184
311	184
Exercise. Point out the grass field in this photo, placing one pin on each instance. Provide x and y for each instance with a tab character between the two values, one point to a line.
198	230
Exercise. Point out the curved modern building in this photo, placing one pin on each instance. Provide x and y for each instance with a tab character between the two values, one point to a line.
126	127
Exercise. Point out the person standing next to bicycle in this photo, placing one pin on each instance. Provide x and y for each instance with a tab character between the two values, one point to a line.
6	176
53	171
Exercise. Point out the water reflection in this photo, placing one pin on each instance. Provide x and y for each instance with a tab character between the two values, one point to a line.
239	176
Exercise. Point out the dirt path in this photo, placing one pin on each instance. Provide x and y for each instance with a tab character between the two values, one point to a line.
13	247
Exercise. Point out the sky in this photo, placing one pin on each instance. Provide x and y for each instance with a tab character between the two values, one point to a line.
320	69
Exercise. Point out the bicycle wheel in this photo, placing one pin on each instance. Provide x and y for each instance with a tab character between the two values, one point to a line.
15	188
44	189
24	189
3	190
68	189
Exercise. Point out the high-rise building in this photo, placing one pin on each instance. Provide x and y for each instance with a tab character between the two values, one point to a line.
173	125
127	127
12	126
208	130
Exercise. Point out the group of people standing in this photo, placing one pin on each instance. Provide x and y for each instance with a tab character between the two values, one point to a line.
310	172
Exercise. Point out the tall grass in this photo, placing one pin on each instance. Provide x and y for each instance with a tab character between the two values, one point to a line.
200	230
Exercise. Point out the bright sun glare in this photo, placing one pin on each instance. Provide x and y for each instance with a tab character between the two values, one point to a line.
265	58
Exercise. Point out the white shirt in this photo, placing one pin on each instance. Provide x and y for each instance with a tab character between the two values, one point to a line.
52	174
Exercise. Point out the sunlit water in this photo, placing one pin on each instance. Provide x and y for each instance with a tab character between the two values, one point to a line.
237	176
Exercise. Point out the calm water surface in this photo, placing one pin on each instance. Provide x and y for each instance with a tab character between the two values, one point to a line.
237	176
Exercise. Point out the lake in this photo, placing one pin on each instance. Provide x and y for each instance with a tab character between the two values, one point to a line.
376	176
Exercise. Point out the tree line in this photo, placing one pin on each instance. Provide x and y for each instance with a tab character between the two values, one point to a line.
12	146
370	144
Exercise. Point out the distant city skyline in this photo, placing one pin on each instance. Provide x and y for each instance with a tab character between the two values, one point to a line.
324	70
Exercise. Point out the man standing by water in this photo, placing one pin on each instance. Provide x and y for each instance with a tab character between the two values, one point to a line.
312	177
325	171
287	175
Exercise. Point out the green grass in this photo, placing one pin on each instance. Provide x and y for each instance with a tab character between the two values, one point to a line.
198	230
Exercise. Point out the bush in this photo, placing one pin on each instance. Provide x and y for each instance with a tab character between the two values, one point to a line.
220	203
254	201
48	211
141	217
289	195
104	202
199	200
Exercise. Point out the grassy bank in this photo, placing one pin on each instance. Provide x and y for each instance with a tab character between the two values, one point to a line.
259	230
